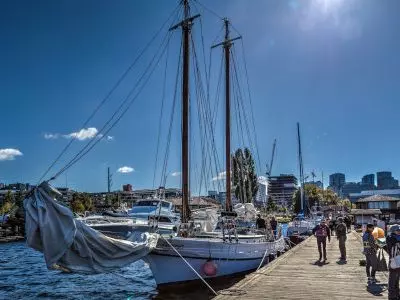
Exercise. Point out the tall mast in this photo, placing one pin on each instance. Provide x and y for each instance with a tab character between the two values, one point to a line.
227	44
227	47
186	26
301	169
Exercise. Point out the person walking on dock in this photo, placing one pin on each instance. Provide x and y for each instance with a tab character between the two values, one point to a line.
370	249
341	233
322	232
393	248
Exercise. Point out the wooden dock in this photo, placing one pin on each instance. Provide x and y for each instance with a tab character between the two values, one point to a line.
294	275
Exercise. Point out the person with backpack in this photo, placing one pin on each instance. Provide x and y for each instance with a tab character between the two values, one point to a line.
322	232
370	250
341	233
393	249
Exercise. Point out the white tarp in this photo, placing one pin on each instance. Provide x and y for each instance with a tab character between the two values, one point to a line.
70	244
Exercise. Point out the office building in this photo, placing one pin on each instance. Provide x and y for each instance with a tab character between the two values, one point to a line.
282	188
350	187
318	184
385	180
336	182
368	179
261	196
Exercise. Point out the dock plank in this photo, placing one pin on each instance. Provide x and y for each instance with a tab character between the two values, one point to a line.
295	276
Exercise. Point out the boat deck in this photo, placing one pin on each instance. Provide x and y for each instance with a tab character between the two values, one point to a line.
294	275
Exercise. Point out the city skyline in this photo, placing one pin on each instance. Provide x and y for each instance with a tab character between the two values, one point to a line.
331	68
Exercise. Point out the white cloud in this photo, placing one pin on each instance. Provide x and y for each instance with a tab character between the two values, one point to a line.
221	176
9	154
83	134
175	174
51	136
125	170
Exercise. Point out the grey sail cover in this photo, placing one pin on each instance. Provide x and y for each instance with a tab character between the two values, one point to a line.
71	245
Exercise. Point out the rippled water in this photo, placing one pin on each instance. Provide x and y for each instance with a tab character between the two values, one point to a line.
23	275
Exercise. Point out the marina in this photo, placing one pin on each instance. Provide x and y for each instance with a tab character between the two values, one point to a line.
190	210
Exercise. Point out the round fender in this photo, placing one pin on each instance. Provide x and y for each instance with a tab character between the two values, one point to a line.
209	268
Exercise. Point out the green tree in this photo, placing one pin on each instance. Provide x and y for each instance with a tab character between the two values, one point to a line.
87	202
296	202
9	197
245	184
77	206
271	205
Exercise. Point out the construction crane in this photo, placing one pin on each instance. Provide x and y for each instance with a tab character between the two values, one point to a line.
269	166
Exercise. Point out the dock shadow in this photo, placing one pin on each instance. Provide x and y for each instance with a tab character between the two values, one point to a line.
319	263
377	289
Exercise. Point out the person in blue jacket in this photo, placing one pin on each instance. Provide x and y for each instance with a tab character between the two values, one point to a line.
370	250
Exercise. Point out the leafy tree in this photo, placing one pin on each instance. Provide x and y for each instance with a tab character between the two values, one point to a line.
9	197
271	205
346	203
245	184
77	206
87	202
6	207
296	202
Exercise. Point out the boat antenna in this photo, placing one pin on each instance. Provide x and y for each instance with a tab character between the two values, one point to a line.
186	25
227	44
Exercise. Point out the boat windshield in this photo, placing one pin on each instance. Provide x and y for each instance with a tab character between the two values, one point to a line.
148	203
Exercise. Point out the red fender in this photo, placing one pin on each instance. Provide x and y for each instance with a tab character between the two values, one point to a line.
209	268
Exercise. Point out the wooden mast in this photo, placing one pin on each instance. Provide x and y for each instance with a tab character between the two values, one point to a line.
227	44
186	25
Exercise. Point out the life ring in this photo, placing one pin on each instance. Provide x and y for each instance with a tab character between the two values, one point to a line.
209	268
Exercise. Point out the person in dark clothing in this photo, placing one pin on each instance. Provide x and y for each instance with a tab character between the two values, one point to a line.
322	232
370	249
332	225
274	225
347	221
260	222
341	231
393	249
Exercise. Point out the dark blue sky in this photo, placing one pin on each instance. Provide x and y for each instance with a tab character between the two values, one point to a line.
332	65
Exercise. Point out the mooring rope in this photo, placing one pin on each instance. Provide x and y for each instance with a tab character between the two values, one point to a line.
189	265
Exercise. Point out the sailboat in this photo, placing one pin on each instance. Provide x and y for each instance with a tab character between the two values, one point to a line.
302	225
187	257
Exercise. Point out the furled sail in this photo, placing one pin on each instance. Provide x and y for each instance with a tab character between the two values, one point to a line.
69	244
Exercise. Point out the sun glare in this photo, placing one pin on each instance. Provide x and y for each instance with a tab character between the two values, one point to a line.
327	6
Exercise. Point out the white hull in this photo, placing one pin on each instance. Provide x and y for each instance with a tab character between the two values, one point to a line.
230	258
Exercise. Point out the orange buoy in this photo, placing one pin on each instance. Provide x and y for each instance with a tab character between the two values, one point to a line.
209	268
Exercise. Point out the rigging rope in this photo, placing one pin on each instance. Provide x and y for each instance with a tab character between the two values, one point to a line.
104	130
108	95
167	149
161	116
251	105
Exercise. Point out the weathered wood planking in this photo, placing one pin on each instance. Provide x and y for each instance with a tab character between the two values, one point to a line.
295	276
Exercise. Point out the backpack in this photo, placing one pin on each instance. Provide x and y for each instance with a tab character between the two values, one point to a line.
341	229
321	231
395	260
